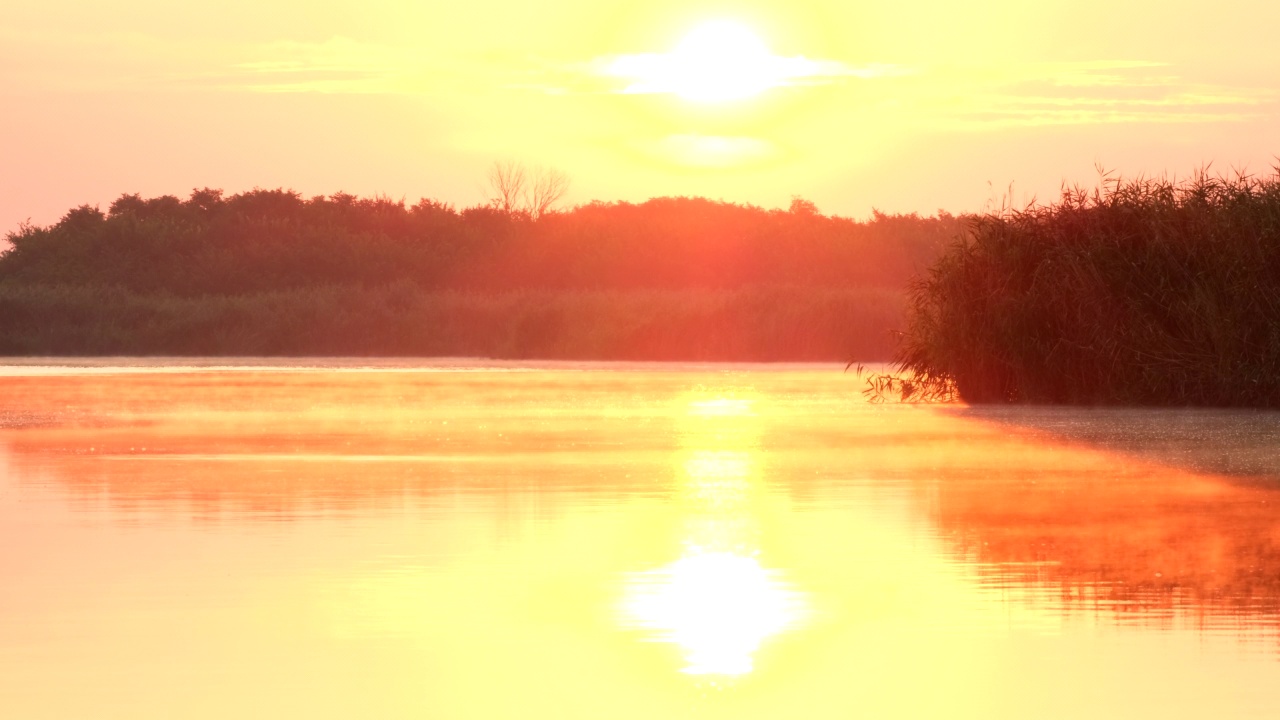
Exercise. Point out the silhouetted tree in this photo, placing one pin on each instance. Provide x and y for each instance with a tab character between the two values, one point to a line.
515	189
549	186
506	185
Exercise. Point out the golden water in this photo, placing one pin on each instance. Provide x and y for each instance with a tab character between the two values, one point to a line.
464	540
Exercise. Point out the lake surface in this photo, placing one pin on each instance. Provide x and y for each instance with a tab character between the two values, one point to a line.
472	540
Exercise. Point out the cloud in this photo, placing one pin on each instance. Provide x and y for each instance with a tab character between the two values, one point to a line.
669	73
710	151
703	77
1085	93
949	96
1112	73
721	60
337	65
342	65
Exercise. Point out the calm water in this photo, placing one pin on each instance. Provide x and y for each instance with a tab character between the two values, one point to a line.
621	541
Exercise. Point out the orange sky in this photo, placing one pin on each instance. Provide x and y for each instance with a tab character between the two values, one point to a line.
914	105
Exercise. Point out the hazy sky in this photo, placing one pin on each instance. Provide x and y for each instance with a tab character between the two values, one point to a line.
902	106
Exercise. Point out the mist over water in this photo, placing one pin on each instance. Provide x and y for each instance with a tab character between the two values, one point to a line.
463	538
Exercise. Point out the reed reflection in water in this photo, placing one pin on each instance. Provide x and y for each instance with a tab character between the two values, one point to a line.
445	540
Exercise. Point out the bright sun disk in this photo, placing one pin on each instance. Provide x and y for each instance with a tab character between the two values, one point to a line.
717	61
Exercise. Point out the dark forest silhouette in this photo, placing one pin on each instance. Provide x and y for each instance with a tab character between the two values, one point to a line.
271	272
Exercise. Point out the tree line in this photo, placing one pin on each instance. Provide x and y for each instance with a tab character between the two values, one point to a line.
262	240
690	277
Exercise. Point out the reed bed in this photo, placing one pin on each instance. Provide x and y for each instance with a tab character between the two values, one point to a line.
1138	292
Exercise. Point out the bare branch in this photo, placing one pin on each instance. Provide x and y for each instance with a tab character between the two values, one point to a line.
506	185
515	190
548	188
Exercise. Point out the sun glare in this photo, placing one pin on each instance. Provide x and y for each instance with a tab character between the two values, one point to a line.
717	61
717	602
717	607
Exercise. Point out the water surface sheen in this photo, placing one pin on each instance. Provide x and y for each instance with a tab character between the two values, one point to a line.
469	540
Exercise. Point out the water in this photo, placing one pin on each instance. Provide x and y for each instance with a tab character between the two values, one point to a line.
466	540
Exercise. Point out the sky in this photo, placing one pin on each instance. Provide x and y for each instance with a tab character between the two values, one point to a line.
917	105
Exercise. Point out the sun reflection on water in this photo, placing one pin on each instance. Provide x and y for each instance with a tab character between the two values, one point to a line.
717	606
717	602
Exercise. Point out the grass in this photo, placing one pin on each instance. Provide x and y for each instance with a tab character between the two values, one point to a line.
402	319
1140	292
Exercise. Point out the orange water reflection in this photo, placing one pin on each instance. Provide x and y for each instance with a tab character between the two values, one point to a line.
716	602
615	541
1097	531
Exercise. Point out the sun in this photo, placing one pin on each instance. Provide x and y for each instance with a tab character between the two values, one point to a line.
721	60
717	61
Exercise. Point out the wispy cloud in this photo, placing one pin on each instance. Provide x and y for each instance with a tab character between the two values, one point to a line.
342	65
1114	73
669	73
953	96
724	60
958	97
338	65
710	151
1086	93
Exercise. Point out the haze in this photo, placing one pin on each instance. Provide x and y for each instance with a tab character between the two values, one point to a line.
912	106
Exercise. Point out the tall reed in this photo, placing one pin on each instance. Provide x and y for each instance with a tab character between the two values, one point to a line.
1139	292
